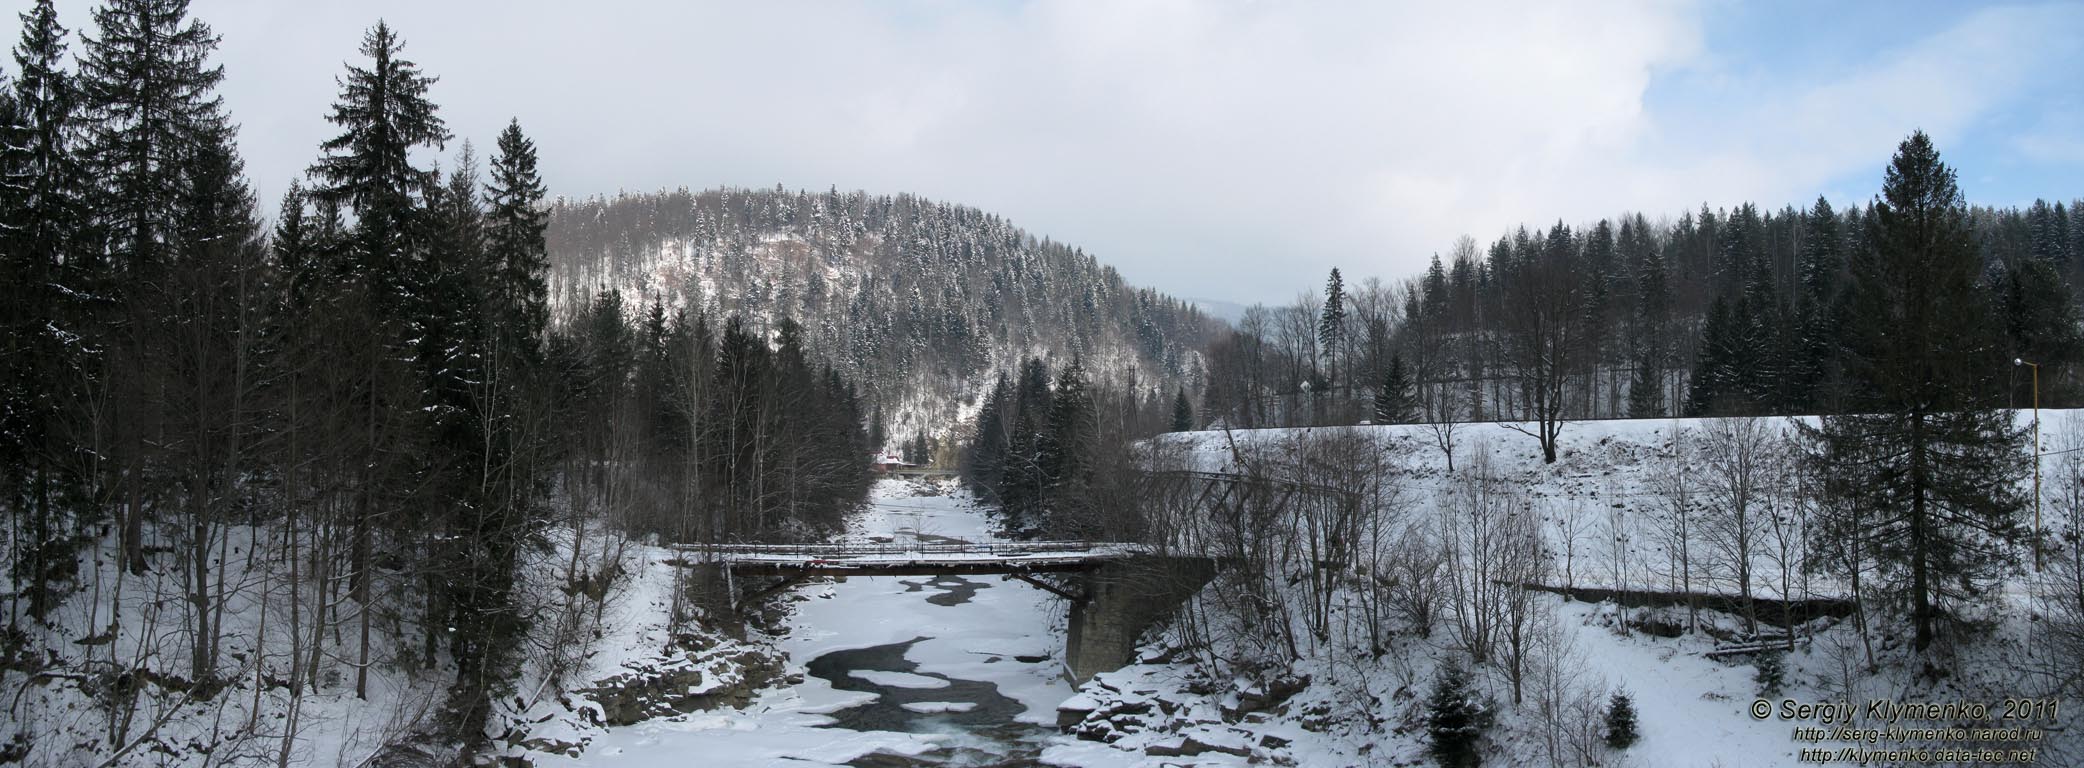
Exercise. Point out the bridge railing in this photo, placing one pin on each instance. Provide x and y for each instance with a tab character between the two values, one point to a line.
923	549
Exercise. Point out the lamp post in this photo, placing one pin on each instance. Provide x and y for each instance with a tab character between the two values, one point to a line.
2016	362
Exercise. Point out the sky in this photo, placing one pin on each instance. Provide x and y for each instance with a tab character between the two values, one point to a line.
1233	151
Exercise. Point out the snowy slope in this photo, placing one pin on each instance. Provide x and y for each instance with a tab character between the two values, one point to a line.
1693	709
71	703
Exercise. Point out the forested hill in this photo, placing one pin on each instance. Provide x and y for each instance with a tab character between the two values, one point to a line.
922	303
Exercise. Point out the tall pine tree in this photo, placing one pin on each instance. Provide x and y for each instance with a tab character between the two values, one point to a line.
384	114
1922	451
1331	328
514	239
1394	403
149	98
44	270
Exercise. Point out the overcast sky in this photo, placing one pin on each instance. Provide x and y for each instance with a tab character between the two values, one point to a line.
1225	150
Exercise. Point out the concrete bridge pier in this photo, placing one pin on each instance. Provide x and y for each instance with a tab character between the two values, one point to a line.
1122	599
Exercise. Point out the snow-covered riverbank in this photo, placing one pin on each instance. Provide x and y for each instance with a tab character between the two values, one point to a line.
1000	637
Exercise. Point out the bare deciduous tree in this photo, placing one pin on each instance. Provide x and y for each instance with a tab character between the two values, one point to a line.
1743	462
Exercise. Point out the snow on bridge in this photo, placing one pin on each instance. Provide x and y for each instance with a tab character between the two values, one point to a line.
1018	560
908	559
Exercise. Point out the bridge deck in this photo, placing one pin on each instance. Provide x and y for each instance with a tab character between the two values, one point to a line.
914	559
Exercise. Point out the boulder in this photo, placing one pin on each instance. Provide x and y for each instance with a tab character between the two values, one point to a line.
681	685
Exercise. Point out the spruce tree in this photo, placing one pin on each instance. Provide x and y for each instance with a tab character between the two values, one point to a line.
2076	215
42	165
1645	388
741	417
1770	673
402	295
1182	412
1394	403
515	244
43	271
295	245
475	510
1066	452
1922	452
384	114
655	421
1023	481
1331	330
1714	371
1620	721
2048	232
2041	325
1435	291
986	463
451	283
1455	718
1652	312
149	98
1822	253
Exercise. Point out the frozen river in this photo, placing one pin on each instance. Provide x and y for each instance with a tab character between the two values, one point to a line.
899	670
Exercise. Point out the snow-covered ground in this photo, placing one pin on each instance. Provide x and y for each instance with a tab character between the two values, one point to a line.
957	649
1352	707
1609	475
1693	710
66	696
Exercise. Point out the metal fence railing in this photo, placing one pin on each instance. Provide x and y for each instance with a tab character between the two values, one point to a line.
921	549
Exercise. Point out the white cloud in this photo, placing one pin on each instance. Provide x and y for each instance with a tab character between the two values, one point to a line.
1222	149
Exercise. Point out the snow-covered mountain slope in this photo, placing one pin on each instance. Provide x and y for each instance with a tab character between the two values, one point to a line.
921	303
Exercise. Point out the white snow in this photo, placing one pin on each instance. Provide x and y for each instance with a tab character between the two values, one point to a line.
931	707
898	679
1692	710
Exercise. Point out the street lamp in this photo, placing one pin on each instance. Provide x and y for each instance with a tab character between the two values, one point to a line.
2016	362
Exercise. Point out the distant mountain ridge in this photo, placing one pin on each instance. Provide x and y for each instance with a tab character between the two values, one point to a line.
923	303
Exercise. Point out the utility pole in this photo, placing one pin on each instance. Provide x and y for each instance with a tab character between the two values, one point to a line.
2036	543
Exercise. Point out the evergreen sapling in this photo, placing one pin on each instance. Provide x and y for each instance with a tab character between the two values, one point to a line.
1455	719
1620	721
